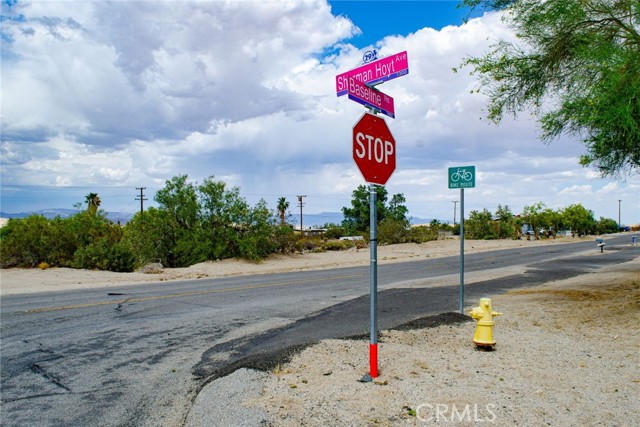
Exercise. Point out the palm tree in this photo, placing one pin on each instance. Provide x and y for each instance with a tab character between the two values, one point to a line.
93	203
283	205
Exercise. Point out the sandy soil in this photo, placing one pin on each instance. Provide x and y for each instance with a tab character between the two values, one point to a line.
15	280
567	355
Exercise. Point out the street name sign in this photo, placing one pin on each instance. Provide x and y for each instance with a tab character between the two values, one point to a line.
370	97
375	72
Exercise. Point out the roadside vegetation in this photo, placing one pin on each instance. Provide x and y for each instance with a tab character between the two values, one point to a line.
209	221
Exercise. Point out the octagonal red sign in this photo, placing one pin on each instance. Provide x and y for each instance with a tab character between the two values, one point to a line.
374	149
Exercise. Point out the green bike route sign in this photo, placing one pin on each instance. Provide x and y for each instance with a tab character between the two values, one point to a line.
462	177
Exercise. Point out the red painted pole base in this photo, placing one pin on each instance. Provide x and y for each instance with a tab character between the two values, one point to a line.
373	360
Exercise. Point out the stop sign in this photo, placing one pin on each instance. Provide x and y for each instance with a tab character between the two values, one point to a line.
374	149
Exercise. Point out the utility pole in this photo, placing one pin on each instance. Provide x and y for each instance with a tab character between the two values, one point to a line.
141	198
619	222
300	204
454	211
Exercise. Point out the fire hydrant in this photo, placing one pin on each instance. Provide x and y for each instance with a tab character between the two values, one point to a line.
484	330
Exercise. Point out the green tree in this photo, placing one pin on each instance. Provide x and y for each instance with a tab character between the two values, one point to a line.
195	223
179	199
397	210
180	240
533	215
93	203
575	65
224	215
480	225
552	219
256	240
282	207
579	219
356	218
606	226
149	235
506	225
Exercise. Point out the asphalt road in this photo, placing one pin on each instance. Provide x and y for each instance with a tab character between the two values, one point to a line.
137	355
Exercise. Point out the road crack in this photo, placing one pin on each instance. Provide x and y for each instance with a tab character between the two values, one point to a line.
40	370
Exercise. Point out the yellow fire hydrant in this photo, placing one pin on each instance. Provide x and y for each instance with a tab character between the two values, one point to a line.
484	330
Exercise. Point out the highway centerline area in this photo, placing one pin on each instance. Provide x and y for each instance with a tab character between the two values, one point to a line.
192	293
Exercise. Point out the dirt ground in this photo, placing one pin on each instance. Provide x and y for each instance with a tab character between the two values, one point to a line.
567	354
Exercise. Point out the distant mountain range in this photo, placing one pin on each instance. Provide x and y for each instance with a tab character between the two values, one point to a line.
308	220
318	220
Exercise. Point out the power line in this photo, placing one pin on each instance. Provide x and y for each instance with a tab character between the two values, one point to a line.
61	187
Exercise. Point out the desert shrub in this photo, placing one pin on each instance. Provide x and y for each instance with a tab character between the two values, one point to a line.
310	243
23	242
392	232
120	258
361	244
150	237
422	234
338	245
285	240
480	226
334	231
104	256
606	225
61	242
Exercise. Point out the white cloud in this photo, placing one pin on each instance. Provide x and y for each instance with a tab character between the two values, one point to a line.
133	93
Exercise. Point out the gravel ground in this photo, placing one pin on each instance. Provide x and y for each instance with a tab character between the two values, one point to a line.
567	355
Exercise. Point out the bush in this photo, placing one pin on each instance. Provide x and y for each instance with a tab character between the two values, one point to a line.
392	232
480	226
310	243
285	240
422	234
121	259
606	226
24	242
361	244
102	256
334	231
338	245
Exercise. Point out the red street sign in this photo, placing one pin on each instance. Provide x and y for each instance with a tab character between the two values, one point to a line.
374	149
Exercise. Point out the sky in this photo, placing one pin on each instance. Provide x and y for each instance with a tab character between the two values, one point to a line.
106	97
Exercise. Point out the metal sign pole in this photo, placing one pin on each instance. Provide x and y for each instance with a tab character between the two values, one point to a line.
462	251
373	226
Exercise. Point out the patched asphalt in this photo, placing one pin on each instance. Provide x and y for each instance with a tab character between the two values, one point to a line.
400	308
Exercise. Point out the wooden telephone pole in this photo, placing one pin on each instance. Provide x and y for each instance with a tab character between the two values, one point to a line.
141	198
300	204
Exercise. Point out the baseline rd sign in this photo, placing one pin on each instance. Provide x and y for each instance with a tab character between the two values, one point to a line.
375	72
374	149
370	97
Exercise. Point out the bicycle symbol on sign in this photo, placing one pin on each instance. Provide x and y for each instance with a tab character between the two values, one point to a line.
461	174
